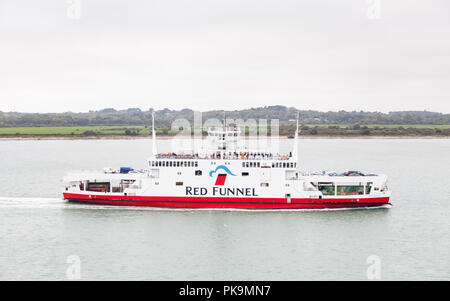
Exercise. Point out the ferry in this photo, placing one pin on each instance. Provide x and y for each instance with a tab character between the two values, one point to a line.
226	175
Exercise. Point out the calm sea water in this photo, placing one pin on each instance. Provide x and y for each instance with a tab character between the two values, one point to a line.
39	231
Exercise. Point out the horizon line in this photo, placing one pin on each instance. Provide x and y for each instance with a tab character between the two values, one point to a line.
218	110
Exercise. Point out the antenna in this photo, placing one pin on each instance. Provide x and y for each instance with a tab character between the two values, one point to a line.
224	120
295	150
155	152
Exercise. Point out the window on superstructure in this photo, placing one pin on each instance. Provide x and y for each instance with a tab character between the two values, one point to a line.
368	187
196	163
326	188
179	183
244	174
198	172
258	164
350	189
98	186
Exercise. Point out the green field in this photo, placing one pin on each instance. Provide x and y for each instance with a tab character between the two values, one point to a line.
418	126
73	130
142	130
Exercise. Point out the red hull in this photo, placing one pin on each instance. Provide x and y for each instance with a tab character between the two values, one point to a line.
221	202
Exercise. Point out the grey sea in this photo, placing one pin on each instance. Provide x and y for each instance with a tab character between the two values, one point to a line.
42	236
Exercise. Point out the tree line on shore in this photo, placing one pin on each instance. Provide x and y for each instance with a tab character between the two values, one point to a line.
341	123
135	116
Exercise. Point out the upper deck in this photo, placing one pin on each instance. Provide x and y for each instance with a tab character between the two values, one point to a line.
227	156
224	144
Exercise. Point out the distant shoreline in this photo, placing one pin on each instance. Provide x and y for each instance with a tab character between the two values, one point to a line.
123	137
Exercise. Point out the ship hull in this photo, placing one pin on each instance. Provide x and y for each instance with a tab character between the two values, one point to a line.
227	202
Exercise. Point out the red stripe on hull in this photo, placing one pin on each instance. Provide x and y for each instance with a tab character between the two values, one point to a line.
226	202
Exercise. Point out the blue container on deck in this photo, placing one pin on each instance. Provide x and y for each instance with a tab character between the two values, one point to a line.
126	169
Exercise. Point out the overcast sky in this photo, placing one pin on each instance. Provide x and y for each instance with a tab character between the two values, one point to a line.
224	54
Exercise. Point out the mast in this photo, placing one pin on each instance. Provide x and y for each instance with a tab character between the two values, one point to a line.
295	150
154	151
224	120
